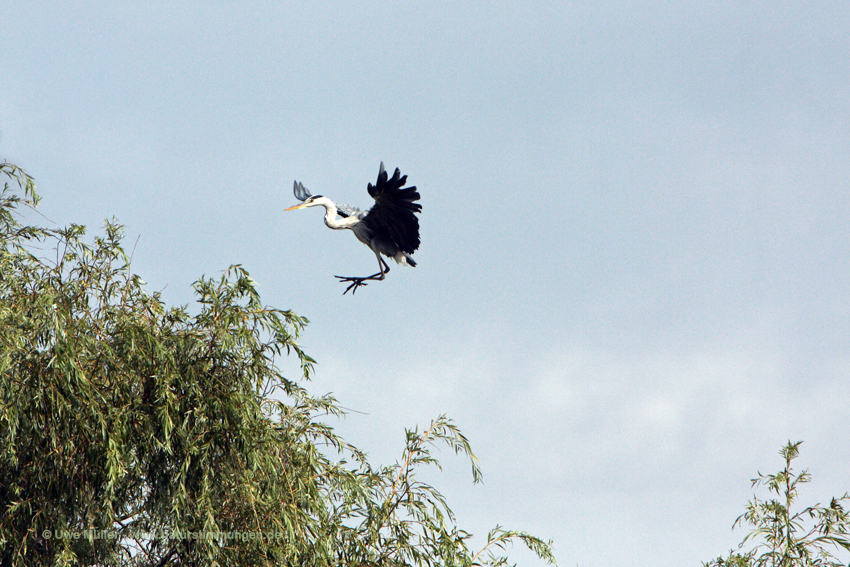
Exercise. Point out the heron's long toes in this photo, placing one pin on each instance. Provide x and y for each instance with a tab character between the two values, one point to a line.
354	285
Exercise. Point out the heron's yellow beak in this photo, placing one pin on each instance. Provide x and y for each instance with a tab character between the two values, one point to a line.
292	208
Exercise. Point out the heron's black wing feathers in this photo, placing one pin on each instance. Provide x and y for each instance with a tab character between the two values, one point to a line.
393	216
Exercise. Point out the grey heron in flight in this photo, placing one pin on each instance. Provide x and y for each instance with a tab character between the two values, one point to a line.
390	227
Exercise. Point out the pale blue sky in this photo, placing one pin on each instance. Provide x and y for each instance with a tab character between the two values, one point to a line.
633	280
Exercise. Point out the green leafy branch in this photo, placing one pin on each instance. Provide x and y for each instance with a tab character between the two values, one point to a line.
808	537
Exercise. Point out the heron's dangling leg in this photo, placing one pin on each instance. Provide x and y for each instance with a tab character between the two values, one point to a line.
357	282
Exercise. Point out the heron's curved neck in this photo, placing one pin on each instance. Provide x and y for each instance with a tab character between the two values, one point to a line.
330	215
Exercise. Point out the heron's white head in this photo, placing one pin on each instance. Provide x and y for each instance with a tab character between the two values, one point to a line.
314	201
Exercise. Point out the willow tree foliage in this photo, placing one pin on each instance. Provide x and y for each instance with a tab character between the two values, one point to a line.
132	433
809	537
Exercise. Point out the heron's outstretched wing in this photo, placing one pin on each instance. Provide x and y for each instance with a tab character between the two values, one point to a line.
393	216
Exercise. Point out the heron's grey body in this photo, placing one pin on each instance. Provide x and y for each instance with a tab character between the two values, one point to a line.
390	227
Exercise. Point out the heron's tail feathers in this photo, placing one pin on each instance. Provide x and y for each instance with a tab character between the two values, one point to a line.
405	259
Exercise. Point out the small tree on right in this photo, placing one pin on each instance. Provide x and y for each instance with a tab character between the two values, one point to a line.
809	537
